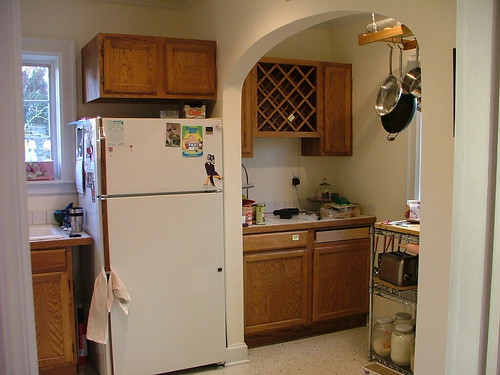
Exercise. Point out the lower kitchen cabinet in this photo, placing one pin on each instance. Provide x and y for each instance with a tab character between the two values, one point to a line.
276	281
276	289
304	282
54	311
340	279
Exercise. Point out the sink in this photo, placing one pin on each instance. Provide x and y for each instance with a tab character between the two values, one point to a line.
44	232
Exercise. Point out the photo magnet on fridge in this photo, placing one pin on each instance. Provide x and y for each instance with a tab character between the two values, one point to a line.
192	141
173	135
211	172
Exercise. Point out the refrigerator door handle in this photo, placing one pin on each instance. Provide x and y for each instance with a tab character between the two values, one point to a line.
104	197
102	134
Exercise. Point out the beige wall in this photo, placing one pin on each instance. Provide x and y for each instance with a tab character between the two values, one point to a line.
247	30
376	175
267	23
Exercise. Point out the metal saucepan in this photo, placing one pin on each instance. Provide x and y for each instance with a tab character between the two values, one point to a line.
389	92
411	83
401	116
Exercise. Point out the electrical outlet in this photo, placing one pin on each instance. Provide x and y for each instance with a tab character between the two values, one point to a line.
295	181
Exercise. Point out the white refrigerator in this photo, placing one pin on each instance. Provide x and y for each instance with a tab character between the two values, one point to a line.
152	193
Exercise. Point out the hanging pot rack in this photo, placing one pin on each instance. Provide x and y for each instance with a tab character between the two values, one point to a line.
398	34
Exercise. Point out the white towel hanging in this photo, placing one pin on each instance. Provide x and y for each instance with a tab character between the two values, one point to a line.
97	325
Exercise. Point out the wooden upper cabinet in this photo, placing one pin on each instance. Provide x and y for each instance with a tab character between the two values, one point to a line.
336	139
248	114
305	99
130	65
117	66
283	99
191	67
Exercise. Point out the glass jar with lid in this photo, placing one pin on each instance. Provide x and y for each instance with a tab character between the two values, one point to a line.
402	317
381	336
401	342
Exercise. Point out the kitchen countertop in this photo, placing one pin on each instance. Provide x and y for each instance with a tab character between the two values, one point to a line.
305	221
66	241
401	226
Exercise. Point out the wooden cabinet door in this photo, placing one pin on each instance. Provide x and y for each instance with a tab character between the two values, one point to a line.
190	68
336	139
54	329
130	64
54	311
248	113
276	290
340	278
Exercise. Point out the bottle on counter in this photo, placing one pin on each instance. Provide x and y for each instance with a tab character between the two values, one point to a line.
381	336
401	343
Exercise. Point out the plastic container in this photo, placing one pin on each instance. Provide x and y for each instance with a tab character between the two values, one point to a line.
402	339
381	336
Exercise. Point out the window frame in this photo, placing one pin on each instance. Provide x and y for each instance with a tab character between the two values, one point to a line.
64	52
52	63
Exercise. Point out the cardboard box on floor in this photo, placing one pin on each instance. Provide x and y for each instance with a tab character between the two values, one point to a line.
378	369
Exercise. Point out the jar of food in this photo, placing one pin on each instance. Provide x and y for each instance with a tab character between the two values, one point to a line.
260	215
402	317
324	191
381	336
401	342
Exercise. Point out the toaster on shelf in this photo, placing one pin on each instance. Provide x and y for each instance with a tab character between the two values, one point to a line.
398	268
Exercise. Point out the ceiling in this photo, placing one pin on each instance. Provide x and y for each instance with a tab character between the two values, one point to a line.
155	3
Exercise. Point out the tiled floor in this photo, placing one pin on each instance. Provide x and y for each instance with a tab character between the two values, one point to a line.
339	353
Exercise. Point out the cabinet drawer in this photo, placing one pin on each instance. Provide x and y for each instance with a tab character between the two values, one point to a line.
341	234
271	241
48	260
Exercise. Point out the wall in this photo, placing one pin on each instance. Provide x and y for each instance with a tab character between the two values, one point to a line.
276	159
376	175
253	29
264	25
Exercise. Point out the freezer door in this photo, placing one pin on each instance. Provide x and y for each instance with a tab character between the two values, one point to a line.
144	156
169	253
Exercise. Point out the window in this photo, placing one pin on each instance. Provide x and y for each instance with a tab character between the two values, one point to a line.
49	101
40	109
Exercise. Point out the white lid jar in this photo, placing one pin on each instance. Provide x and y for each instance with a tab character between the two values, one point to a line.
381	336
401	343
402	317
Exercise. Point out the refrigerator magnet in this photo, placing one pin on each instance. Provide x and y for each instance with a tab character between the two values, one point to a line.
211	172
173	135
192	141
115	133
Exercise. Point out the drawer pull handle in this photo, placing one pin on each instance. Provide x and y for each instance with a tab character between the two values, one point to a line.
295	237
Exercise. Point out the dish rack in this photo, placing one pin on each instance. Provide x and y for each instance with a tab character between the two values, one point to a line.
394	237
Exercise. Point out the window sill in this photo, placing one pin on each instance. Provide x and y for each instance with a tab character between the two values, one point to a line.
55	187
